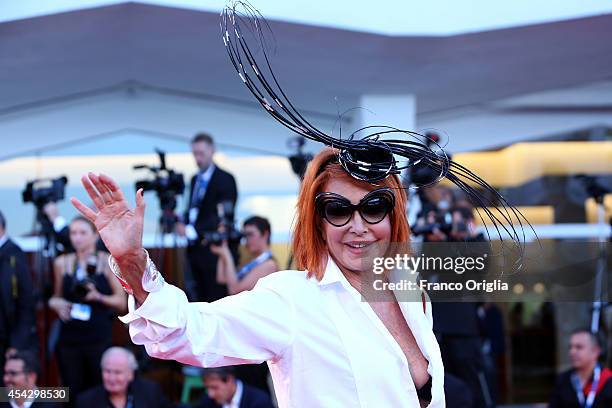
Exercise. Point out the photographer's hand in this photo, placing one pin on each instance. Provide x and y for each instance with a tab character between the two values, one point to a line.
216	249
220	250
92	293
62	307
120	227
180	229
51	211
226	270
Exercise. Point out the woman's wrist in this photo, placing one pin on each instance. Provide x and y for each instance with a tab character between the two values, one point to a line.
227	254
137	274
130	268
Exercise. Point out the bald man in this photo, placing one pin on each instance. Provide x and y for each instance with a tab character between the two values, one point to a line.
120	387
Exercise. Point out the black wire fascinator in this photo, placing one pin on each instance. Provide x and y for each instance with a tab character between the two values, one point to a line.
371	153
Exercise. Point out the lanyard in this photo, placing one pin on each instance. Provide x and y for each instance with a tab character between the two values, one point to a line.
580	394
255	262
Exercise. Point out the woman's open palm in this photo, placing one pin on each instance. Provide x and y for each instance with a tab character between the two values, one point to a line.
120	226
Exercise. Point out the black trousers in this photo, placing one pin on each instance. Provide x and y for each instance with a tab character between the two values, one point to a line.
79	366
203	264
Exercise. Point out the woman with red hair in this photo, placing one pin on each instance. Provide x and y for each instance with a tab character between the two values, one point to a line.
325	346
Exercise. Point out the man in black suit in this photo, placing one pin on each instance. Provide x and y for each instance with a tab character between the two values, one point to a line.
17	321
119	386
210	187
588	382
224	390
21	373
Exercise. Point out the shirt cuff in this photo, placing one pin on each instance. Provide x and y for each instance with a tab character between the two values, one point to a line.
162	307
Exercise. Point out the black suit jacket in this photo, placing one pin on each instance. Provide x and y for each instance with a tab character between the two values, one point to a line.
221	187
251	398
16	298
147	394
564	396
35	404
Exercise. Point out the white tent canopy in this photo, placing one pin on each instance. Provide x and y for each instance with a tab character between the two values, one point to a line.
71	76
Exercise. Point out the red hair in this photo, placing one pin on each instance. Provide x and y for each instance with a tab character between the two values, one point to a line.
309	248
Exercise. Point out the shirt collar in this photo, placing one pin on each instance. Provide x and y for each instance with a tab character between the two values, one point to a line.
332	273
235	402
207	174
3	239
26	403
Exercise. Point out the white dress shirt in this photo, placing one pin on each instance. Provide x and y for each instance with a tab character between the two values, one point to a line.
235	402
325	346
26	404
202	177
3	239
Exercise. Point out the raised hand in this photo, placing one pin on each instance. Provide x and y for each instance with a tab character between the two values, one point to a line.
120	226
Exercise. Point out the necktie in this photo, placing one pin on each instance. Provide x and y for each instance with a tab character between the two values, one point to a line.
199	190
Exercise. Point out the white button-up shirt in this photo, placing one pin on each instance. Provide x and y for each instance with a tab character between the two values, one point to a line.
3	239
325	346
235	402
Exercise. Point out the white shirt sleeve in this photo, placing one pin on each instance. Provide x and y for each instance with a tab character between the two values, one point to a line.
250	327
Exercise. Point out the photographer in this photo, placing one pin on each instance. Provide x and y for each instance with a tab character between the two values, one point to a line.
456	323
60	227
441	223
256	231
464	227
435	219
209	187
86	297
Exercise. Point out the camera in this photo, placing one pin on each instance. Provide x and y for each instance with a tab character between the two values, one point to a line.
168	184
42	191
299	160
79	288
443	221
225	213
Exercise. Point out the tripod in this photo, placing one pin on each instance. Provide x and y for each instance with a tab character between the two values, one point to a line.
43	272
166	225
601	283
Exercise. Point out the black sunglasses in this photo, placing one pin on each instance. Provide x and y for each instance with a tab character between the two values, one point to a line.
338	210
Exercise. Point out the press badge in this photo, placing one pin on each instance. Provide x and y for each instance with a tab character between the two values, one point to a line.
80	311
